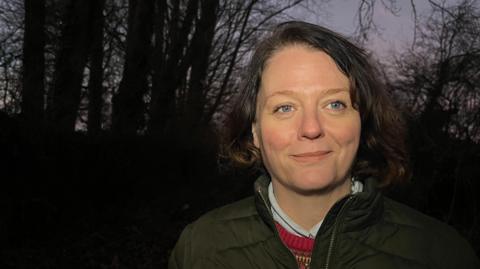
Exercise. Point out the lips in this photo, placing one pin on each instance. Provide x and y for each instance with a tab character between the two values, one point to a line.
311	156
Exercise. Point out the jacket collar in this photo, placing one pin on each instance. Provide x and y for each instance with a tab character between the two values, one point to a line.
364	208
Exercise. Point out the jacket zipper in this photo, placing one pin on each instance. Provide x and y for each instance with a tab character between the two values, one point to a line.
276	232
332	237
334	232
265	202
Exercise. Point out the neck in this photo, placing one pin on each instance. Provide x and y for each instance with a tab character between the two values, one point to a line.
307	210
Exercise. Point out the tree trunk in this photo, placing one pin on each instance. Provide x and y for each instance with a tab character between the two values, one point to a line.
202	44
128	105
95	87
70	64
33	62
162	107
159	61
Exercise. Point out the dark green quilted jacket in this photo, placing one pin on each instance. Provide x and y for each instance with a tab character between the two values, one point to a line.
365	230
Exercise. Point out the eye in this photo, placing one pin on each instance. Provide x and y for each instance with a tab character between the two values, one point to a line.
336	105
284	108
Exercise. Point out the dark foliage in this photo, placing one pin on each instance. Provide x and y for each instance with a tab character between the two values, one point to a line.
78	201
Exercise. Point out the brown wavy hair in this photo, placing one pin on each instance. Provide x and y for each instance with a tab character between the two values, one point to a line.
382	152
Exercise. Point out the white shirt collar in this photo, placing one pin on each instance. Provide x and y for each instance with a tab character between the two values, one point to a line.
283	219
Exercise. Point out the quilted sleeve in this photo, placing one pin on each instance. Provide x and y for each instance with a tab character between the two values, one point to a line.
180	257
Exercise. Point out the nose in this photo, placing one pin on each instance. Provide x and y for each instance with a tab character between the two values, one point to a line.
311	126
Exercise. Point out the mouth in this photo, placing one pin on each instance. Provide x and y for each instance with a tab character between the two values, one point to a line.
311	156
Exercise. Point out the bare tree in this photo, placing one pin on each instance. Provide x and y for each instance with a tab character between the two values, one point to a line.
172	44
439	76
201	46
70	63
235	35
128	104
95	84
365	16
438	81
198	58
33	62
115	35
11	36
175	63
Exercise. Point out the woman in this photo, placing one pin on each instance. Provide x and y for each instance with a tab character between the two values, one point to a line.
313	114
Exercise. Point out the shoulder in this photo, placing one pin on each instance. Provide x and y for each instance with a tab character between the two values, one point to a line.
244	208
438	242
233	226
228	226
404	215
412	219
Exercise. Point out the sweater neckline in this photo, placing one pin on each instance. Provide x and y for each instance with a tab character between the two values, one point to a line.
295	242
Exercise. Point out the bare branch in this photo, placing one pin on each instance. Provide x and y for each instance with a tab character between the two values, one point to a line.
415	23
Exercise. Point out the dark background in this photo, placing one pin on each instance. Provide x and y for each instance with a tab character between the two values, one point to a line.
112	115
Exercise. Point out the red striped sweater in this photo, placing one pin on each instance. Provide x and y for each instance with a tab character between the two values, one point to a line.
300	246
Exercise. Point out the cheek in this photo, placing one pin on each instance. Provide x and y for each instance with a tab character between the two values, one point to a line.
348	135
275	138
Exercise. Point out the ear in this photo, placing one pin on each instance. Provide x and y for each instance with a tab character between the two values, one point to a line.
255	135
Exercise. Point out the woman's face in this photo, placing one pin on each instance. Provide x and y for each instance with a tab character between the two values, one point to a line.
306	127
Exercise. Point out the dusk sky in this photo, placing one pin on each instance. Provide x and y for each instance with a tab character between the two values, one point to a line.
395	32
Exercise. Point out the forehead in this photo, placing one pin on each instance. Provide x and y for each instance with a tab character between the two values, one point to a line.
301	68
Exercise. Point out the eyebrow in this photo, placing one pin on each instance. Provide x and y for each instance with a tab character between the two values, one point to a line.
324	93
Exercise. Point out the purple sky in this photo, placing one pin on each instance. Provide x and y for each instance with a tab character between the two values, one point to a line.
395	32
